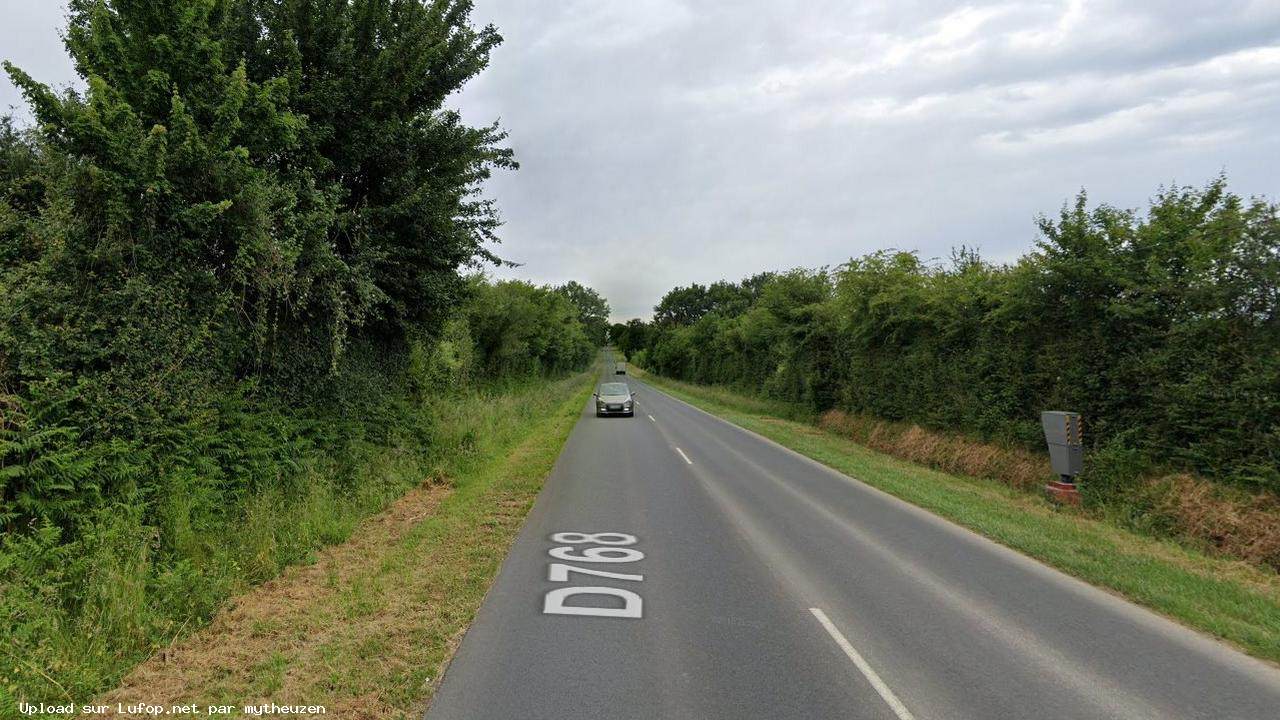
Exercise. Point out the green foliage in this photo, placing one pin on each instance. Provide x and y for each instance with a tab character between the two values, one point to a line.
1163	330
683	306
111	547
522	329
631	337
233	308
593	310
371	77
245	187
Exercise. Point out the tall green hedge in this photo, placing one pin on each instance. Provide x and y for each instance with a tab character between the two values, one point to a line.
236	275
246	193
1163	329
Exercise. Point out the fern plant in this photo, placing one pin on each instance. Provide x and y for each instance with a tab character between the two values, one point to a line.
48	470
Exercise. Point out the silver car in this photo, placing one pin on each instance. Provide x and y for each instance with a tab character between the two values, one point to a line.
615	398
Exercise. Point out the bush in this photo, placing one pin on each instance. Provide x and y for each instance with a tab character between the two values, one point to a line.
230	288
1163	330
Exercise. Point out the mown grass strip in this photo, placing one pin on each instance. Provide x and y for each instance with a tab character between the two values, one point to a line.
1228	599
367	630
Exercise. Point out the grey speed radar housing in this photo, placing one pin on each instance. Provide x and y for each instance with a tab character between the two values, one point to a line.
1064	431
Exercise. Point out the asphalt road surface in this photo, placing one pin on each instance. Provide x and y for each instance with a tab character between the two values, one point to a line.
745	581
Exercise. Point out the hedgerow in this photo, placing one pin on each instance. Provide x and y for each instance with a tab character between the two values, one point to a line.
1163	329
237	275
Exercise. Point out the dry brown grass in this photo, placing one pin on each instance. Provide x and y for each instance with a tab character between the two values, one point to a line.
266	645
956	455
1234	523
1191	509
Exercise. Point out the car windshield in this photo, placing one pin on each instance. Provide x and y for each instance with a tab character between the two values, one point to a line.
614	389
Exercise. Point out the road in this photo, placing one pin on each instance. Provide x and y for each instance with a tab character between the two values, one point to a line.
764	585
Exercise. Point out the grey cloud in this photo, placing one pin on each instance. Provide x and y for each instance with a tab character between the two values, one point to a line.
665	142
762	135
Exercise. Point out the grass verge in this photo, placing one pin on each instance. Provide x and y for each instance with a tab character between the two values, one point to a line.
1229	599
367	628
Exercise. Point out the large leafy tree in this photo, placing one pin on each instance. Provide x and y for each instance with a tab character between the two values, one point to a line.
682	306
630	337
247	184
175	230
593	309
372	78
520	328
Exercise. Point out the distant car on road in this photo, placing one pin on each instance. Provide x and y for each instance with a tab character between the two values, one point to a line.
615	398
620	369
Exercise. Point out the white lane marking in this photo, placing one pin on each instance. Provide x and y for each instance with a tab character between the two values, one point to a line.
651	418
686	457
894	703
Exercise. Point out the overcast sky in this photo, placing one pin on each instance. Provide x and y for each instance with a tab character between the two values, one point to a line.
666	142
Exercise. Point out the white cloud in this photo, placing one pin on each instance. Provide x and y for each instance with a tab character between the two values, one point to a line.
1069	22
857	56
596	25
1073	105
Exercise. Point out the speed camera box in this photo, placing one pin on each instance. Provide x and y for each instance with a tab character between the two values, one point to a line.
1064	432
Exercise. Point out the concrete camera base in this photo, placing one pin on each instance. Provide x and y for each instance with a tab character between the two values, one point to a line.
1062	492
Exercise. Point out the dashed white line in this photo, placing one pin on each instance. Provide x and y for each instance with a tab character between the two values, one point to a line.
686	457
651	418
894	703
